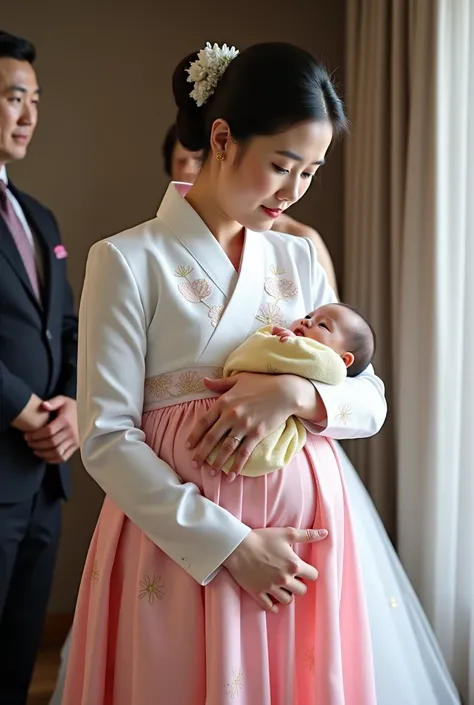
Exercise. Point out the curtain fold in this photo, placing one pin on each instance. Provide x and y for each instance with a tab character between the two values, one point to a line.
408	263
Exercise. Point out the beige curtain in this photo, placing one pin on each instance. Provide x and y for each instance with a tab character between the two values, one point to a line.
436	387
389	69
409	259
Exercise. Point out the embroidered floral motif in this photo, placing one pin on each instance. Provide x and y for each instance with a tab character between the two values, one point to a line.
183	271
276	271
160	385
151	588
309	658
172	385
189	383
278	290
235	685
215	314
273	370
94	574
345	413
271	314
197	291
186	563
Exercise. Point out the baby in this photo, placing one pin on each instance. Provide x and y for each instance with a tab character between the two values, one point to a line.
326	346
340	328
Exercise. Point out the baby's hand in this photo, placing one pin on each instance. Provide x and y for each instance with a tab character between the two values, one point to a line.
283	333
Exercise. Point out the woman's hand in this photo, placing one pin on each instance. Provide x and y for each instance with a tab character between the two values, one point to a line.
251	407
267	568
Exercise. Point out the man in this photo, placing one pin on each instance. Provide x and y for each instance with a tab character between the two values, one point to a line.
38	349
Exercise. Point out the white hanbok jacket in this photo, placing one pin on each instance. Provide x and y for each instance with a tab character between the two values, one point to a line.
162	307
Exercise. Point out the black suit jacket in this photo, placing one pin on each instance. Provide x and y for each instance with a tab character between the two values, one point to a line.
38	349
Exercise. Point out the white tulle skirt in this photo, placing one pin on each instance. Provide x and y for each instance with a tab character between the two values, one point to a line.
409	667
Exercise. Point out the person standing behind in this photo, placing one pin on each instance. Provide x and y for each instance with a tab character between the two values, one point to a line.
38	353
180	163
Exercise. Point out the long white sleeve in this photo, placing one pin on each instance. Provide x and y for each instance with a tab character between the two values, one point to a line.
356	408
111	373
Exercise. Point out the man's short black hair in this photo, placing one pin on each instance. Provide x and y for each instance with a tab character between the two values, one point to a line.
12	47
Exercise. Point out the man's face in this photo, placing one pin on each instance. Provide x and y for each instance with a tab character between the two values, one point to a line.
19	97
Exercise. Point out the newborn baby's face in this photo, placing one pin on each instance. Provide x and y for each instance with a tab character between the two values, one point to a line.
328	325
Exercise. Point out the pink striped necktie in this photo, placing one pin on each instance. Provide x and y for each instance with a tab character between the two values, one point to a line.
20	237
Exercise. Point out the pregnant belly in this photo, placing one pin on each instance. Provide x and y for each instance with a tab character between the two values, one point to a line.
287	497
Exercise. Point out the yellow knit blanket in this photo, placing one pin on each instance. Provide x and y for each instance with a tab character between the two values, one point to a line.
266	353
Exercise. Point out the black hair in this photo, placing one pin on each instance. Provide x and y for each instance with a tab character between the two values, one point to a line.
168	146
265	90
12	47
361	341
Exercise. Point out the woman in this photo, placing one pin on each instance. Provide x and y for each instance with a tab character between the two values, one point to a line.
183	165
409	667
177	294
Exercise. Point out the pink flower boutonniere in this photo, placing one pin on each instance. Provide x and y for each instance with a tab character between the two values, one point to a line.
60	252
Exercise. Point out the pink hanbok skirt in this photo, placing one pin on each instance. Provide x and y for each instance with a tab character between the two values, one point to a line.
146	633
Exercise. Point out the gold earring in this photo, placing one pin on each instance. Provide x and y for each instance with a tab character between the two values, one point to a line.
220	156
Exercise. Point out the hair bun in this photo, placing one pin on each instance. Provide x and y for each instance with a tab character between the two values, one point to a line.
191	120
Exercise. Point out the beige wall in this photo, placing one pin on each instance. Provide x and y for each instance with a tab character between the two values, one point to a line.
105	69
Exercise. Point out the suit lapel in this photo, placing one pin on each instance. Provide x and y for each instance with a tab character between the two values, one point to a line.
10	251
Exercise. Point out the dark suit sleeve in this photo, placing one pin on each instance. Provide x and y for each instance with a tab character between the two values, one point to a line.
68	379
14	396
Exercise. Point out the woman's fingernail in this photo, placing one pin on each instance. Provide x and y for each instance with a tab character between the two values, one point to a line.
232	477
194	464
188	445
322	532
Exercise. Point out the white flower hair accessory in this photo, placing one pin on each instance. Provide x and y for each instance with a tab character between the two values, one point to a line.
208	69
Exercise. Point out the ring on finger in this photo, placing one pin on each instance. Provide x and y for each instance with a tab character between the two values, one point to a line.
236	438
